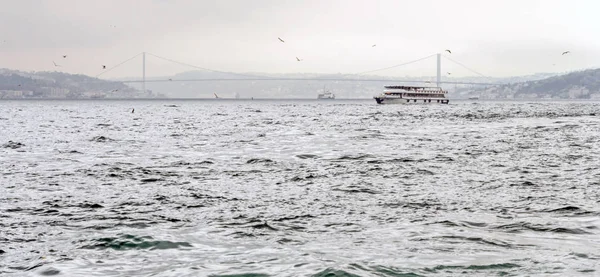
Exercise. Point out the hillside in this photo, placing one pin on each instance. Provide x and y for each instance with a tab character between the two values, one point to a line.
576	85
18	84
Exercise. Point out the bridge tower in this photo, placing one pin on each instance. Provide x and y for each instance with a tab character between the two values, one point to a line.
439	69
143	72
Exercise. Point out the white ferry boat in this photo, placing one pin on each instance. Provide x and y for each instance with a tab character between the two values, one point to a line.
326	95
410	94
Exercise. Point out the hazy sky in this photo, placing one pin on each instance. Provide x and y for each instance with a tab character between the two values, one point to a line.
496	38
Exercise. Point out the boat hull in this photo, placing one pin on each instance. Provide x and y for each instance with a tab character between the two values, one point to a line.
387	100
327	95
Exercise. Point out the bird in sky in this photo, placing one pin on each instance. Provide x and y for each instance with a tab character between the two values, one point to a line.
448	50
374	45
566	52
103	66
298	59
280	39
449	73
56	65
64	56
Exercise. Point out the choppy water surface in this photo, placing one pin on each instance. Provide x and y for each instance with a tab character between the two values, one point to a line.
300	188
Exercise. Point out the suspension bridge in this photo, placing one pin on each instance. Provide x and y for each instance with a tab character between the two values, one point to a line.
353	77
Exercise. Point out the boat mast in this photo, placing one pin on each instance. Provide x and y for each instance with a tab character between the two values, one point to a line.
439	69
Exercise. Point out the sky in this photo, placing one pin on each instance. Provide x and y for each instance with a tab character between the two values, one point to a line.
493	38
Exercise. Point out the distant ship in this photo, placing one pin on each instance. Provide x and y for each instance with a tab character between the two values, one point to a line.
326	95
410	94
474	98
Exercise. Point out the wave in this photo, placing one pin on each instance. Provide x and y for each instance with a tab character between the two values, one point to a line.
462	239
354	189
286	218
355	157
13	145
444	268
307	156
132	242
241	275
330	272
259	161
101	139
526	226
573	210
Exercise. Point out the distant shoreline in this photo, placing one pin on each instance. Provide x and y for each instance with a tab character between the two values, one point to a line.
184	99
280	99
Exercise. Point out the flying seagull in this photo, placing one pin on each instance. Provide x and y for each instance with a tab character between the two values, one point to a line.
280	39
298	59
103	66
449	73
566	52
55	64
64	56
448	50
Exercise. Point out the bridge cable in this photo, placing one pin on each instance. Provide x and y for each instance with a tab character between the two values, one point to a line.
208	69
390	67
466	67
108	70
